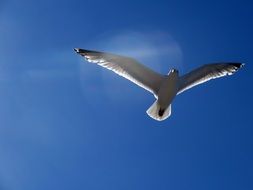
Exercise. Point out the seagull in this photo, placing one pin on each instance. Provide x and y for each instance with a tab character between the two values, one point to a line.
163	87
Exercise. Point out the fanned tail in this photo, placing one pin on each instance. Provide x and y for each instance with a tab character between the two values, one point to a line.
154	112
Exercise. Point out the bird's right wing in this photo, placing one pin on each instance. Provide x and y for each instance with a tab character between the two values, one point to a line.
206	73
125	67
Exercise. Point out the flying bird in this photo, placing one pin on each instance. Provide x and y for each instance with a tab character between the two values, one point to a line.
163	87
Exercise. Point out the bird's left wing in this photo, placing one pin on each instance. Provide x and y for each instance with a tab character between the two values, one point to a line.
206	73
125	67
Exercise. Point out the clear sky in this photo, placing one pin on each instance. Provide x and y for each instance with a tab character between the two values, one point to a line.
67	124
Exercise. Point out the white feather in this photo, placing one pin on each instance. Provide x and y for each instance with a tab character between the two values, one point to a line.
206	73
125	67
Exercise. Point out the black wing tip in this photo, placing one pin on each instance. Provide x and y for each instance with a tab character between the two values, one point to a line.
238	65
80	51
77	50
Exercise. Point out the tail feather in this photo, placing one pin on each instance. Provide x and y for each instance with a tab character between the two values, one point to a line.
153	112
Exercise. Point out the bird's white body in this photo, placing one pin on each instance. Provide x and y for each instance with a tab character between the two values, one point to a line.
168	89
161	108
164	88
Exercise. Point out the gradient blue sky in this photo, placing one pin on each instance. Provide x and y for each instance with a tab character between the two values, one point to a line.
67	124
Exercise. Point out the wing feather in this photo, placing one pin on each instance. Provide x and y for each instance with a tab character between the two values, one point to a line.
125	67
206	73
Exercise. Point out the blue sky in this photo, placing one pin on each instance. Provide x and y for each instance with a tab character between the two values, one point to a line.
67	124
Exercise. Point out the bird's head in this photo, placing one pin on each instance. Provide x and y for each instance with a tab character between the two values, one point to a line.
174	71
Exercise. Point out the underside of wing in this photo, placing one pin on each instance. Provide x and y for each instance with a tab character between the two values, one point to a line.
125	67
206	73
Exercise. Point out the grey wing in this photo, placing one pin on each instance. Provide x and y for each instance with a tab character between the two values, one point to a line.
125	67
206	73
